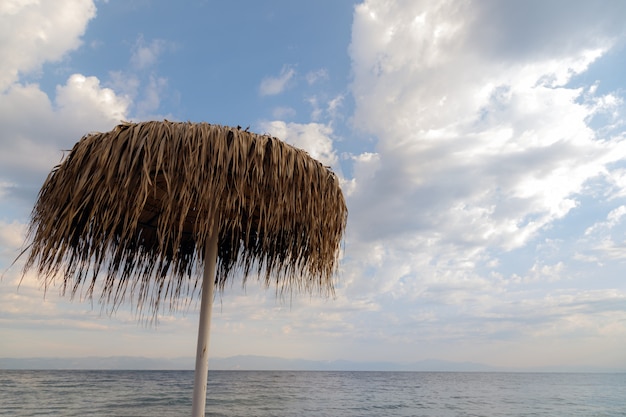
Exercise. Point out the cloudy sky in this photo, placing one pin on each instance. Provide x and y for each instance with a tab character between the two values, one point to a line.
481	147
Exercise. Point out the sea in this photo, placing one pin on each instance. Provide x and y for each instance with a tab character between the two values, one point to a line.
314	393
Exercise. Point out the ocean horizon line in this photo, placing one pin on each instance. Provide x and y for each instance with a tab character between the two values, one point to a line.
269	363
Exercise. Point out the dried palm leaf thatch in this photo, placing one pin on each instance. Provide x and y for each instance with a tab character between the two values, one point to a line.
130	211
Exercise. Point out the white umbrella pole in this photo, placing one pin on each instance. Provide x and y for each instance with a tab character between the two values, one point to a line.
204	327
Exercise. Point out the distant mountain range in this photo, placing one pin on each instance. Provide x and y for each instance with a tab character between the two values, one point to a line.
264	363
273	363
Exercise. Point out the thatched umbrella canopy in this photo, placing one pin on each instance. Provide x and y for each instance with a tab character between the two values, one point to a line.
136	212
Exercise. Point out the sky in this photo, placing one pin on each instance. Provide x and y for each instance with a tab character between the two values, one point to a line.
481	147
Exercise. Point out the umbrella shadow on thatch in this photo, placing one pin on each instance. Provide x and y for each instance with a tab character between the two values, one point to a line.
141	209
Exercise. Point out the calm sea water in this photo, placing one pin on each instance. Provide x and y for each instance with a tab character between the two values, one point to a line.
336	394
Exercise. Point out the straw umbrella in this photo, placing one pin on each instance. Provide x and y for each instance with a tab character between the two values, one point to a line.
136	213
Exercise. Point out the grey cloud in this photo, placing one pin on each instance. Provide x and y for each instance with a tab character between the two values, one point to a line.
536	29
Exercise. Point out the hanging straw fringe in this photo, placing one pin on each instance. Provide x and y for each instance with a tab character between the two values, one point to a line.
130	211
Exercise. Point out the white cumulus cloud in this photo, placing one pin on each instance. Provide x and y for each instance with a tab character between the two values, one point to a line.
487	147
34	32
37	127
482	146
315	138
